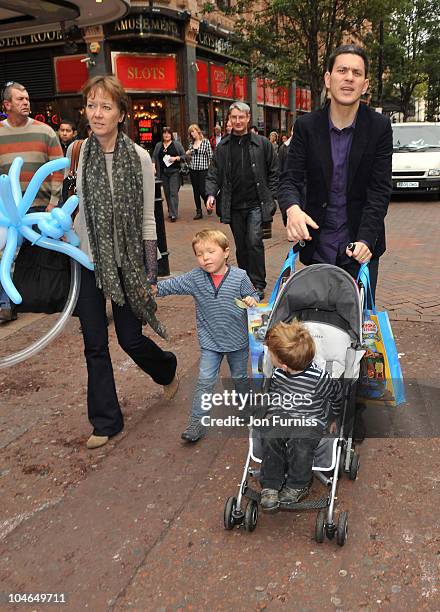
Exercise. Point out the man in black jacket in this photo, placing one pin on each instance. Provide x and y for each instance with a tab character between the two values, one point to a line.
242	182
343	153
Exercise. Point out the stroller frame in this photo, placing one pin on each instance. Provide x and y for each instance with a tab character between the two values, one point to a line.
344	457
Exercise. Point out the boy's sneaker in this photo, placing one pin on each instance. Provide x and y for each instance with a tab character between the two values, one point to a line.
293	496
269	500
194	431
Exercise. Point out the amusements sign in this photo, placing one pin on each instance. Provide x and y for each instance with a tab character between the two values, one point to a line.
146	25
145	72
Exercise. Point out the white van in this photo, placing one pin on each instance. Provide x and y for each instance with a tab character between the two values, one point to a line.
416	158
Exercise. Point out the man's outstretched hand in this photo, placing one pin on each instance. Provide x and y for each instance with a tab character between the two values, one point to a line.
297	222
210	202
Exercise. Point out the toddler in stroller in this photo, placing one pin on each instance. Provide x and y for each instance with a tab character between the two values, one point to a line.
302	399
328	303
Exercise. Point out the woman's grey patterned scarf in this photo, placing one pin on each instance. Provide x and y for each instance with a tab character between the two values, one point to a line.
122	210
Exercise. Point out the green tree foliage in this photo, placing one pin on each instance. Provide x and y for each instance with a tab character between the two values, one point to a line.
293	39
410	54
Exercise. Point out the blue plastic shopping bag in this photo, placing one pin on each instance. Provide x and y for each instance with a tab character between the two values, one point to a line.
380	377
258	317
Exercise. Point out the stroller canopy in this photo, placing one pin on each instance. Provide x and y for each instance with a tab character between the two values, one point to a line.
323	293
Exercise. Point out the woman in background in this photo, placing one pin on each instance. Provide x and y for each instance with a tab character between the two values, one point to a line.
200	155
167	156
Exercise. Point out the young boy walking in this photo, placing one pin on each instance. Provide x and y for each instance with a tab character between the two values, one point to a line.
303	399
221	323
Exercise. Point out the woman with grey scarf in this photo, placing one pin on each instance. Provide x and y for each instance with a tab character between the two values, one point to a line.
116	226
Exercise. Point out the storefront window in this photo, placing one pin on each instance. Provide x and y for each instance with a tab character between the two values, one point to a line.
149	116
203	115
174	116
221	109
284	121
260	119
53	111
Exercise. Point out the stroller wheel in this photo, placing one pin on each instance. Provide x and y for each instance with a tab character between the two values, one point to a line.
342	530
251	515
354	466
228	519
320	527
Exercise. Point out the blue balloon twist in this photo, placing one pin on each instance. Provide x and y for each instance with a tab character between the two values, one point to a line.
18	224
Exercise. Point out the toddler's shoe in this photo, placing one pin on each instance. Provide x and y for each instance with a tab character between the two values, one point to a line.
194	431
269	500
293	496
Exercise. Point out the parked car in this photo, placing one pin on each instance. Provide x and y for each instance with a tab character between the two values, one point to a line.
416	158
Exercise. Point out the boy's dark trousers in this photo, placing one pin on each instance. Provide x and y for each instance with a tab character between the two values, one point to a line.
288	453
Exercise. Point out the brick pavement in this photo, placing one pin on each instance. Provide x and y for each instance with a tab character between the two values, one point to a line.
409	281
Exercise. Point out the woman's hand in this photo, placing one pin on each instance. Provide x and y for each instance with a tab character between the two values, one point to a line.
153	289
174	159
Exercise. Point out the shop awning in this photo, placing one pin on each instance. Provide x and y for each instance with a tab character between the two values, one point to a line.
21	17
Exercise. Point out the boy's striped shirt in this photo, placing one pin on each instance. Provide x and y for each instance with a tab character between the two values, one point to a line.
311	392
221	324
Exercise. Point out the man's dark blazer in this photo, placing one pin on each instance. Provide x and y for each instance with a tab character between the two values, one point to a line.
369	185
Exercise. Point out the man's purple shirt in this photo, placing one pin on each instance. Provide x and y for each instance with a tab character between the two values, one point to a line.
334	235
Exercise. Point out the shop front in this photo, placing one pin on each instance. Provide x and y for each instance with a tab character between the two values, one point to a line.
151	80
273	108
52	77
216	90
173	67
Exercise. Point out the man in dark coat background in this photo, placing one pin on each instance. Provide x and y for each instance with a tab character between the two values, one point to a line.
242	183
343	154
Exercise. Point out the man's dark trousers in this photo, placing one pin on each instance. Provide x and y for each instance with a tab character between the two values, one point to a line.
247	228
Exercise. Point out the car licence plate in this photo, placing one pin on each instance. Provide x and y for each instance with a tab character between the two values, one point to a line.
406	184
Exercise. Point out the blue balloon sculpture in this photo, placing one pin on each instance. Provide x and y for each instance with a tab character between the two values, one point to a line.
18	224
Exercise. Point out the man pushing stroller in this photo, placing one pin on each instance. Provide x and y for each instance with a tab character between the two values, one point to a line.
303	400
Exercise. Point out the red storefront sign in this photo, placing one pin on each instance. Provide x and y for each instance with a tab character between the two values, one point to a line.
260	91
70	73
309	99
145	72
284	96
222	83
303	99
240	85
202	78
270	95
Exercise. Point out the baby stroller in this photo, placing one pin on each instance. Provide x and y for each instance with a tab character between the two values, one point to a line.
330	304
